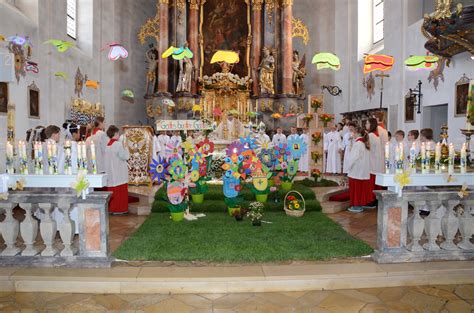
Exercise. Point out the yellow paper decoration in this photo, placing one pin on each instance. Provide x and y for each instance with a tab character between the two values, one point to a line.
403	179
230	57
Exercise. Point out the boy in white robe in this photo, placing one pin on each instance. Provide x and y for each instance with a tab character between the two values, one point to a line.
161	141
279	137
332	148
99	138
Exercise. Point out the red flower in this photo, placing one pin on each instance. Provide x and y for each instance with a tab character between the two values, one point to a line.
207	146
238	187
291	198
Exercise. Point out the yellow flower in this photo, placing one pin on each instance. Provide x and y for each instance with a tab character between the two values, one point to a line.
297	206
187	145
403	179
194	176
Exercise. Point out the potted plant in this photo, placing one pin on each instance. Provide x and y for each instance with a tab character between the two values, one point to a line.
316	136
255	213
316	104
233	205
198	189
239	214
177	211
326	118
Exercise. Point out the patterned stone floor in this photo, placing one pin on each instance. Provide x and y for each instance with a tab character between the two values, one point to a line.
449	298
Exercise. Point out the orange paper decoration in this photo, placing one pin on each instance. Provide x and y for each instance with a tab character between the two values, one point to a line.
378	62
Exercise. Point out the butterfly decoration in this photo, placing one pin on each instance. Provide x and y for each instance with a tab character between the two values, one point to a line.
62	75
128	93
422	62
81	184
463	192
19	40
60	45
326	60
159	169
178	53
449	178
93	84
31	66
116	51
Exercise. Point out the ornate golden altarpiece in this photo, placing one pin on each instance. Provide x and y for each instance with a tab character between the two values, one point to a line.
139	140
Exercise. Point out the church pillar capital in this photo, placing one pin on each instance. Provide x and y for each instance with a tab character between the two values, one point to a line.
257	5
194	4
286	3
167	2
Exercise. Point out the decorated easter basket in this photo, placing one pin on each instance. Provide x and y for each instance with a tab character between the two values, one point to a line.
287	204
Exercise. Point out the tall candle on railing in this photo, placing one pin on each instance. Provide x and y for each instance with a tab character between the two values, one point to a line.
93	160
413	156
463	159
38	155
23	159
451	159
387	158
67	158
9	158
438	158
424	167
52	158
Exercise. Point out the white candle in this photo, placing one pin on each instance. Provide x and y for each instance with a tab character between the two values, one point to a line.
451	159
402	153
424	161
397	153
463	160
92	150
438	152
423	150
387	151
9	149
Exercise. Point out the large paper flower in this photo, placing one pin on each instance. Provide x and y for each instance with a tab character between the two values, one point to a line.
188	145
173	150
266	156
206	146
263	144
177	169
234	148
297	147
282	152
248	143
159	169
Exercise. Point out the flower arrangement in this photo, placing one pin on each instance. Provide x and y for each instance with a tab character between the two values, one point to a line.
294	204
81	184
316	104
316	156
316	174
326	118
316	137
255	213
276	116
307	118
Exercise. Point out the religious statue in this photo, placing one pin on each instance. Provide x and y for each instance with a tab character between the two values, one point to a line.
152	59
266	70
299	73
185	73
229	129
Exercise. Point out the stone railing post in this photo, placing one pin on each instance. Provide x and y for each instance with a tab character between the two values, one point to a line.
29	230
66	228
433	226
449	226
416	226
466	226
10	229
48	229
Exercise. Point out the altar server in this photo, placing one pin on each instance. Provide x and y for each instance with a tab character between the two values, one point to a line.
347	142
395	142
303	163
279	137
160	144
71	133
262	137
117	172
53	135
176	138
293	134
332	147
381	129
377	155
99	138
358	171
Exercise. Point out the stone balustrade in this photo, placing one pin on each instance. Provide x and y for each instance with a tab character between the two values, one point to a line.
405	235
29	241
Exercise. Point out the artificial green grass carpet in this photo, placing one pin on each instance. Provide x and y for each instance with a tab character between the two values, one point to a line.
220	238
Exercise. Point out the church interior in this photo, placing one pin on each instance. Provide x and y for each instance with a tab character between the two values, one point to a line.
237	156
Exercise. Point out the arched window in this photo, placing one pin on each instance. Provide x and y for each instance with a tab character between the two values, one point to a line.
71	19
377	21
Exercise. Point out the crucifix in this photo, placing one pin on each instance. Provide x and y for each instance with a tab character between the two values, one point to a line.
382	76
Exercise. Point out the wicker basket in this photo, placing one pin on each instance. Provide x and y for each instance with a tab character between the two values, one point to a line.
294	213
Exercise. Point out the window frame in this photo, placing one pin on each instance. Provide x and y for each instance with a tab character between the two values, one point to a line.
376	24
73	18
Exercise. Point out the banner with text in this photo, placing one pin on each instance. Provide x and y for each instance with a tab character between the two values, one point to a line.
183	125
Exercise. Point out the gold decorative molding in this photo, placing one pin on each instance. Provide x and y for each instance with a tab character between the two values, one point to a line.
270	7
164	2
151	28
286	3
194	4
299	29
257	5
181	4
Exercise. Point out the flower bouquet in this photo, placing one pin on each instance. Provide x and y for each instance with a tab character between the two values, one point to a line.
316	156
326	118
307	118
316	137
294	204
316	104
255	213
316	174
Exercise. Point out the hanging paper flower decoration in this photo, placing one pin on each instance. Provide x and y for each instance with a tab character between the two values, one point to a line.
297	147
93	84
207	146
178	53
168	102
326	60
31	66
248	143
116	51
177	169
61	45
422	62
234	148
159	169
378	62
230	57
403	179
128	93
62	75
173	150
290	115
197	108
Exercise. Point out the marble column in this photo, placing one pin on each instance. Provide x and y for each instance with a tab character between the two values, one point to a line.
162	46
287	46
193	37
256	42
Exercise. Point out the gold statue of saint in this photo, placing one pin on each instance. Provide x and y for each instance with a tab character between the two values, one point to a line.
266	70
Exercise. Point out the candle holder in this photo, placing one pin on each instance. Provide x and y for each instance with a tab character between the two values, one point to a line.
387	166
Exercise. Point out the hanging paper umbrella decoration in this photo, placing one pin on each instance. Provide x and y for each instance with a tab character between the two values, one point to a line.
19	40
178	53
226	56
378	62
159	169
422	62
116	51
61	75
31	66
326	60
92	84
61	45
128	93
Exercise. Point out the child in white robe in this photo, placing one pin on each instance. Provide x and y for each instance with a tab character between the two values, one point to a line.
376	156
279	137
99	138
332	148
347	142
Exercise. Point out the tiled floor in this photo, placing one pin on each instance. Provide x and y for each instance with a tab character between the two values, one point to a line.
448	298
360	225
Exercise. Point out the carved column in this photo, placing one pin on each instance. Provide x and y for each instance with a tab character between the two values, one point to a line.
193	38
256	41
162	46
287	46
